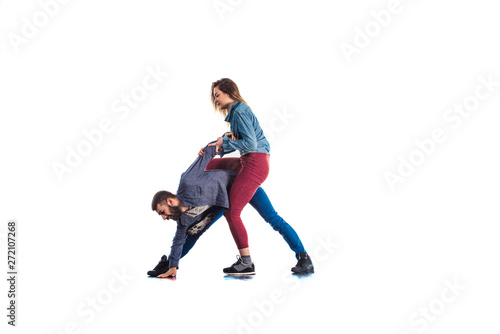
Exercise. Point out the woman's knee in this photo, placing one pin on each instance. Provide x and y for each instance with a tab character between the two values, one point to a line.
232	215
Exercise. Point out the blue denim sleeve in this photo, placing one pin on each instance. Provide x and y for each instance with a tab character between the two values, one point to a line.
248	140
223	151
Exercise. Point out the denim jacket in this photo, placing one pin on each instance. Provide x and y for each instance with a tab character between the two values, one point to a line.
246	128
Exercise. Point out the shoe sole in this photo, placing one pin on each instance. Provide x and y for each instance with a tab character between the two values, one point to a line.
240	274
303	272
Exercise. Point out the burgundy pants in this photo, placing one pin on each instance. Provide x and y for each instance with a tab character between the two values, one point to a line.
253	170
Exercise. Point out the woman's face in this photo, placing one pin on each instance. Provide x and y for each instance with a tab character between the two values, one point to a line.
221	99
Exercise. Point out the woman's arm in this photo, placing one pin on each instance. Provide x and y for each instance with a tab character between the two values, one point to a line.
248	141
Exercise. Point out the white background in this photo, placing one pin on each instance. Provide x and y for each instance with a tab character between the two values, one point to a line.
348	122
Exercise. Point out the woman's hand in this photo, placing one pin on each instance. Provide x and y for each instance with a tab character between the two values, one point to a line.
217	144
201	151
231	136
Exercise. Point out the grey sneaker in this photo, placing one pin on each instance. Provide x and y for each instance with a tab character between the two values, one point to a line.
240	268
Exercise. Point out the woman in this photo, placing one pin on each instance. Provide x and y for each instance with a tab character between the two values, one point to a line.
247	137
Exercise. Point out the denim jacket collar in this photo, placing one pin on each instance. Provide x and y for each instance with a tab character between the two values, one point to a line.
230	114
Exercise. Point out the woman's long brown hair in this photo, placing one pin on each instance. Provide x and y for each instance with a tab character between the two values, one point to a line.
229	87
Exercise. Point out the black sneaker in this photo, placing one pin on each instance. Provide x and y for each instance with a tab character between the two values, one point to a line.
304	266
161	267
240	268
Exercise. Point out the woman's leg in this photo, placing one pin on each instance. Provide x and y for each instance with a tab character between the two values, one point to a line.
260	202
254	171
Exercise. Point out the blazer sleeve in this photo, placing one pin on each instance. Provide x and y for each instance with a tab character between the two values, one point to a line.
199	165
177	244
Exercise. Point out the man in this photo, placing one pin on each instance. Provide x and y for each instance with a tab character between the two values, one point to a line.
201	199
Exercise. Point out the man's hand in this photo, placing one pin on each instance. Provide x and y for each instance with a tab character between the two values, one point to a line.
217	144
171	272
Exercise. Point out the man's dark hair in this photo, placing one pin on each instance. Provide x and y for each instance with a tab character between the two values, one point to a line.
161	198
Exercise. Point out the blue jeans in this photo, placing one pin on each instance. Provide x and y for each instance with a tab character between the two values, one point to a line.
262	204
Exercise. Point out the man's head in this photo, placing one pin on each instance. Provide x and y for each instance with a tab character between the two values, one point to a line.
167	205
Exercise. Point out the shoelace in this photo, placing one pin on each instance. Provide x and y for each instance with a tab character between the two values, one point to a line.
239	260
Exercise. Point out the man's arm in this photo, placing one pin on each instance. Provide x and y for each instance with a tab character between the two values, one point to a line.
199	165
175	251
221	151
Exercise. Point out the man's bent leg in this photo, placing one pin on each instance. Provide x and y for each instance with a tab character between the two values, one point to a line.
191	239
263	205
260	202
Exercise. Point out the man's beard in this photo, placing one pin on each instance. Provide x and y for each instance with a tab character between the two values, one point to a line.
175	212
